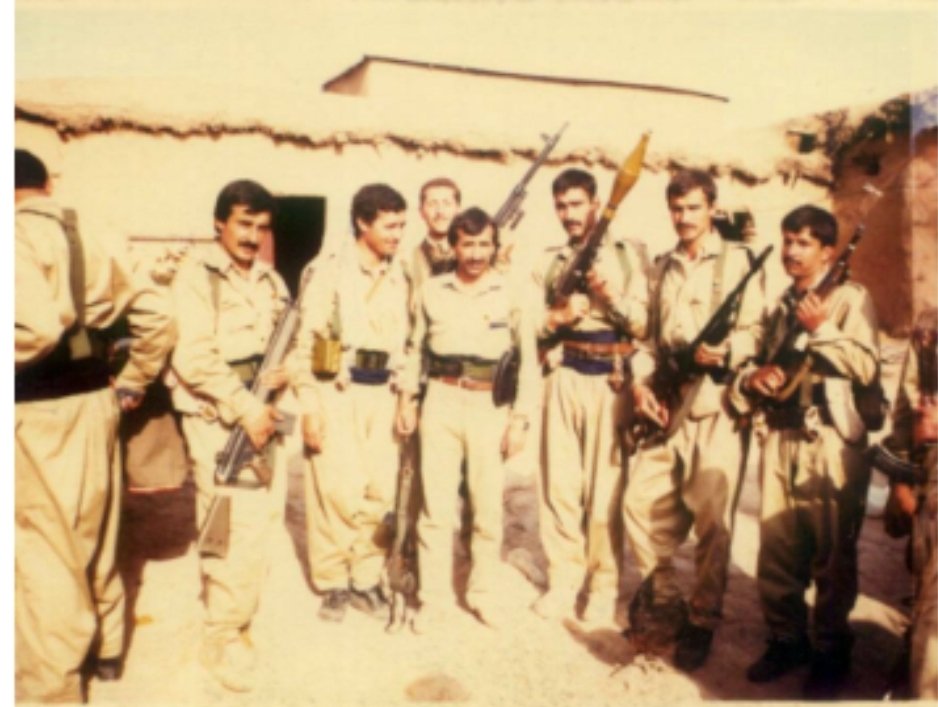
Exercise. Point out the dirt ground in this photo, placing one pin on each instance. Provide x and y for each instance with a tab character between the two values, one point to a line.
303	660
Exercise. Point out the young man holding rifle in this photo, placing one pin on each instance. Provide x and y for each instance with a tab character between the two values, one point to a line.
227	303
688	475
814	477
589	333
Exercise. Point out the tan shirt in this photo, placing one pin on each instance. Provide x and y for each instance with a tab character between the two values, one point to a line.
482	319
683	298
227	322
44	305
372	307
628	314
845	348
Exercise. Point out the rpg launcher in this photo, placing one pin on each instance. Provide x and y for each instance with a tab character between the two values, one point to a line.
573	277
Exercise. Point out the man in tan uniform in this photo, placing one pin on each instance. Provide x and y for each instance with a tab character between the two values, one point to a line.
357	303
914	438
439	202
69	597
690	476
582	474
466	320
227	302
814	478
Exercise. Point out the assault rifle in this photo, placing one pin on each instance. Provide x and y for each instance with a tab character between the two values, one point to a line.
402	562
676	367
898	470
573	276
510	214
239	453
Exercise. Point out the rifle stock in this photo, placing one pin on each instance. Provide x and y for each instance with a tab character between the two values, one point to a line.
574	273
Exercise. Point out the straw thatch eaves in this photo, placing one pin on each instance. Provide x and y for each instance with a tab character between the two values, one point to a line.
807	148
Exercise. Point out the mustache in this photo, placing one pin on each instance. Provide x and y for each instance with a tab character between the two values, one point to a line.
570	223
249	245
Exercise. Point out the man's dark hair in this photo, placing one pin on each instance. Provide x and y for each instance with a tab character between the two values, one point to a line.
373	198
574	179
244	192
819	222
472	222
440	182
31	173
686	180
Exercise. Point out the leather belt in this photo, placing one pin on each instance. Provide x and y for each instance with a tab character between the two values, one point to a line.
464	382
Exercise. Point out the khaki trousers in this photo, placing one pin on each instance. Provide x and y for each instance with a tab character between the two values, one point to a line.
690	481
351	486
813	501
582	480
232	585
68	590
456	425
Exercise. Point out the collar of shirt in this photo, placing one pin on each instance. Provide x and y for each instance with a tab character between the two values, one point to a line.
491	280
709	248
219	258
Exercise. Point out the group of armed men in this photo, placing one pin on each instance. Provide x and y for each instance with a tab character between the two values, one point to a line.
394	350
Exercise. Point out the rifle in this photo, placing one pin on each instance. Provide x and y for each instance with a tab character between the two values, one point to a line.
402	562
898	470
791	355
238	452
510	214
573	276
676	367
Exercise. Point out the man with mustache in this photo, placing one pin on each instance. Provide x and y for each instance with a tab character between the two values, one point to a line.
814	478
582	473
439	202
227	303
690	476
465	321
349	350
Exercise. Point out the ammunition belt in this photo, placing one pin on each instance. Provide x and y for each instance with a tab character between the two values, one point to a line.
472	367
594	353
57	379
371	367
246	368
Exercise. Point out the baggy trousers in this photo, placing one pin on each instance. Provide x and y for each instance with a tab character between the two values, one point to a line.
690	481
350	487
68	589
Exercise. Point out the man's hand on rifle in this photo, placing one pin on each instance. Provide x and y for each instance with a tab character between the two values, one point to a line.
600	282
811	312
275	378
573	310
707	356
647	405
766	381
406	421
261	426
